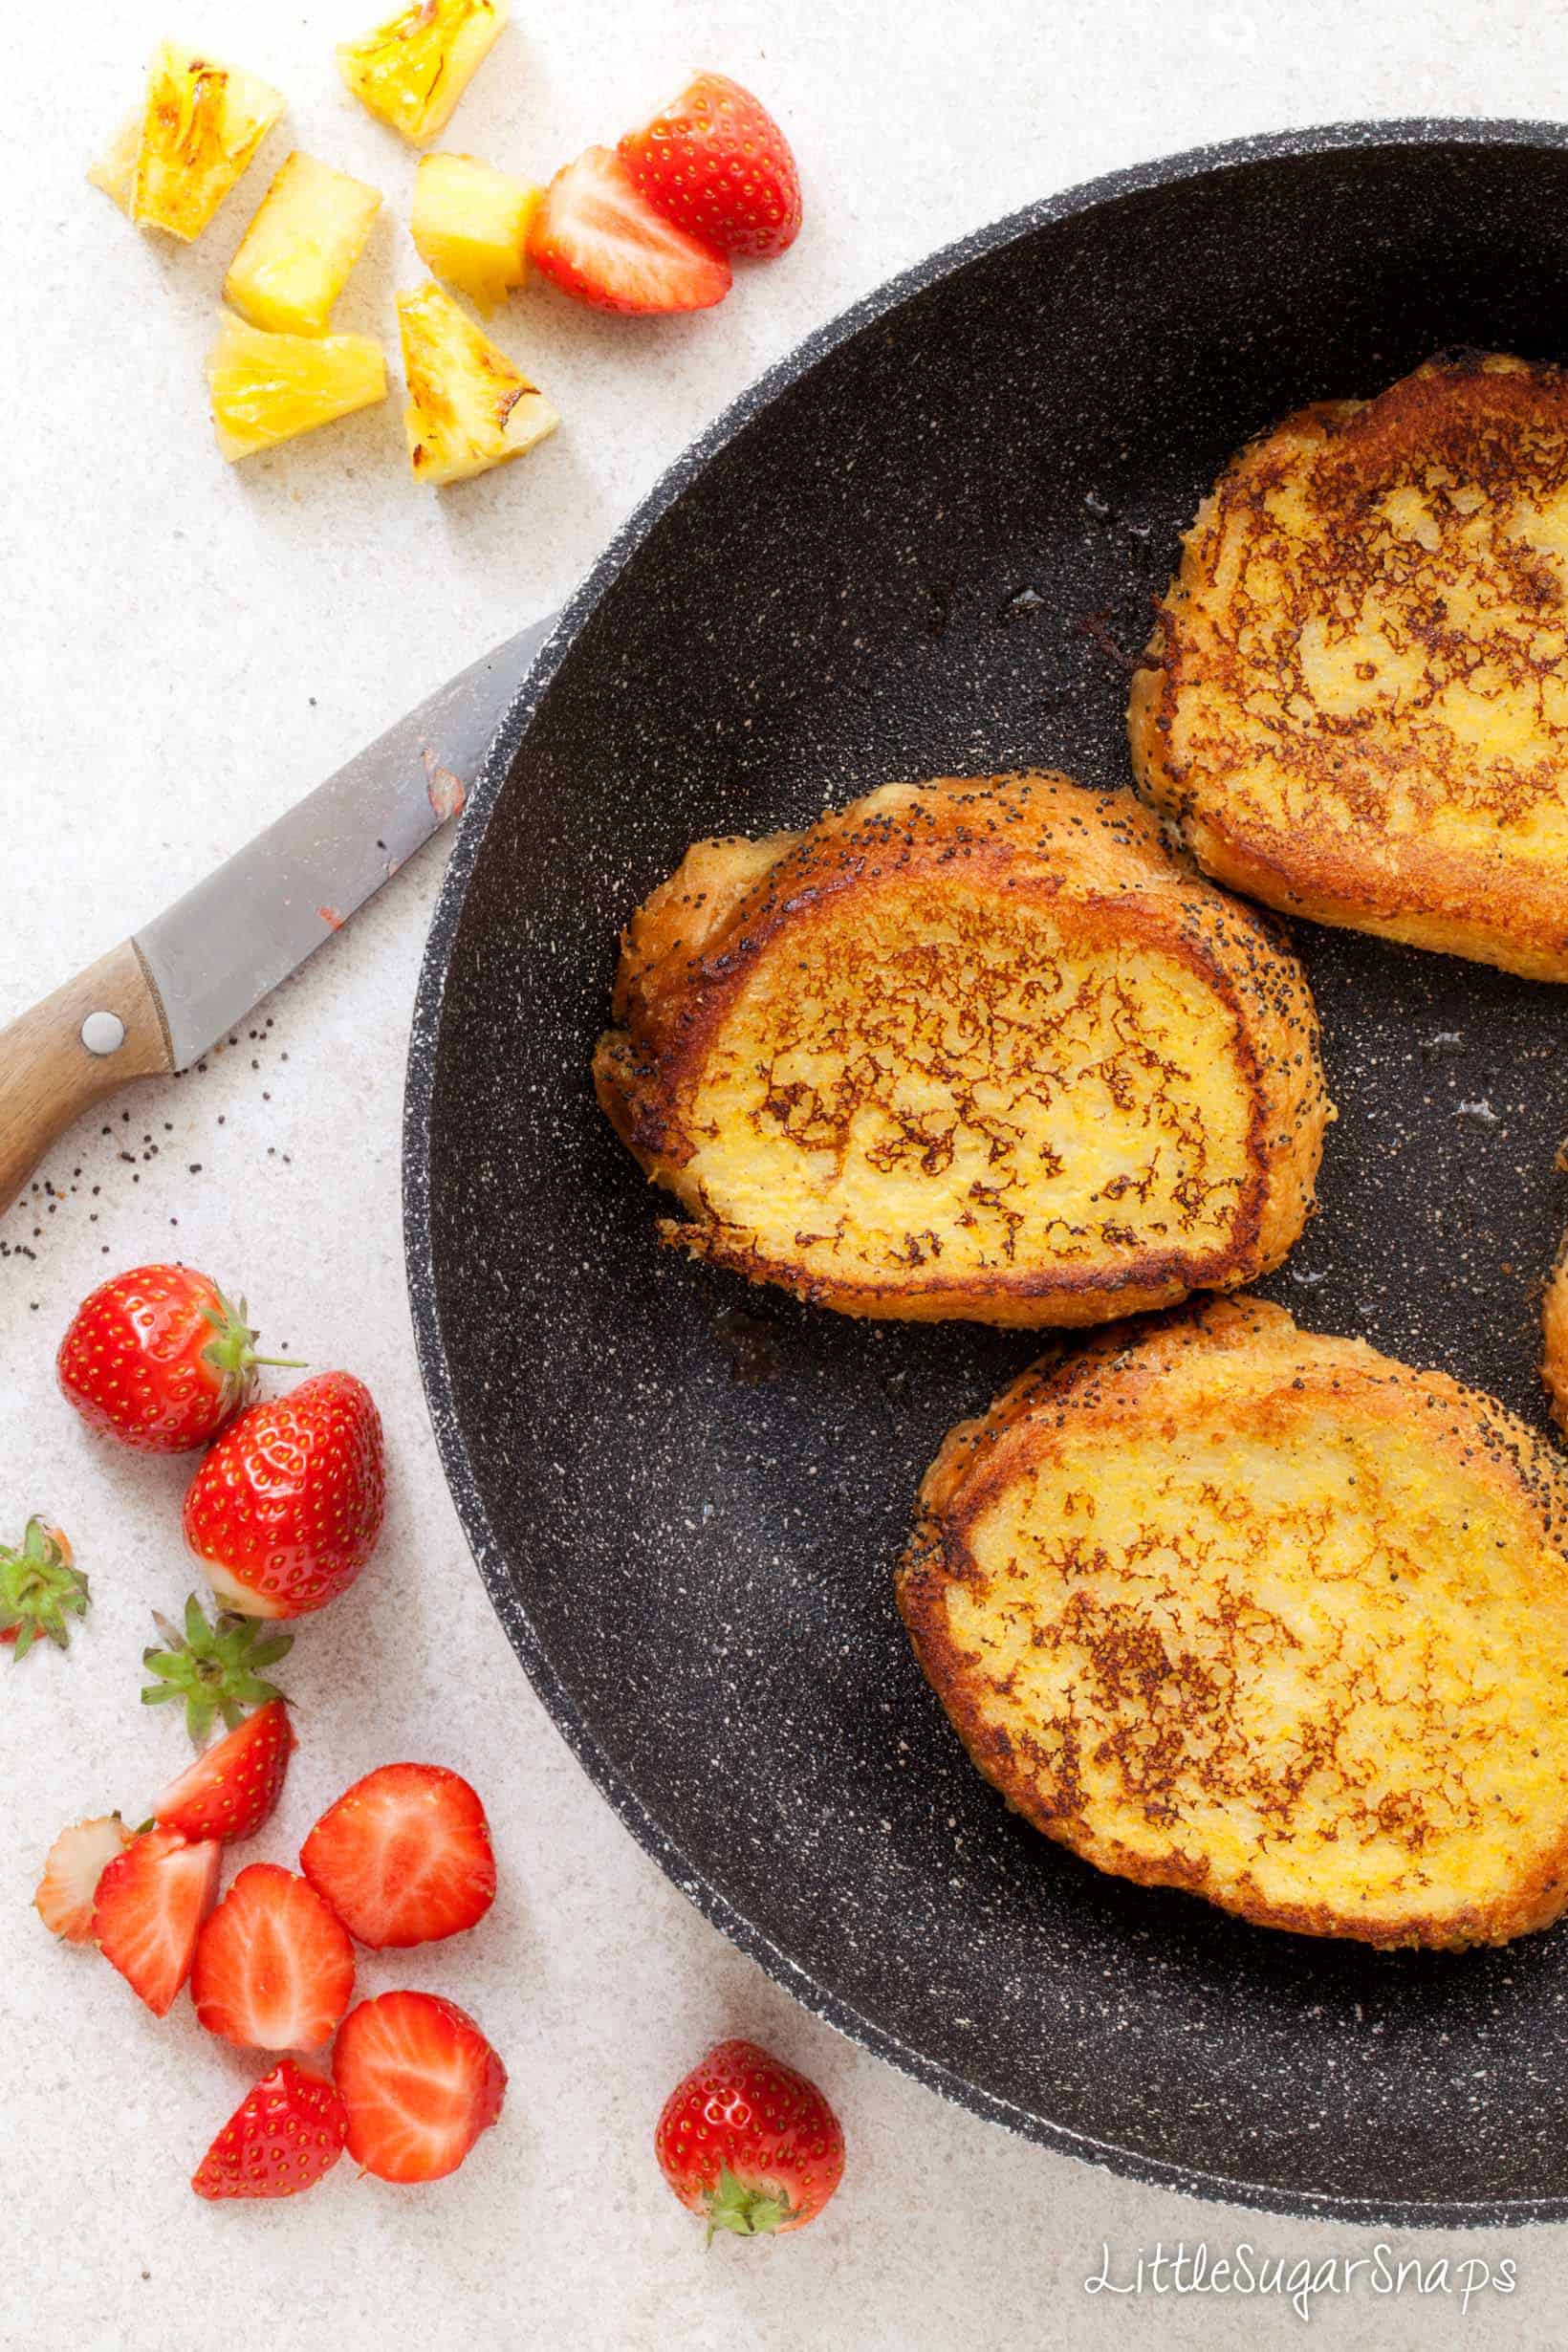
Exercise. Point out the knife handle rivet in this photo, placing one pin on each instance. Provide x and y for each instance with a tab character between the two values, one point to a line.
103	1033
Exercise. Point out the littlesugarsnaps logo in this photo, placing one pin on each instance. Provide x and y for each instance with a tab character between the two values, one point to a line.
1299	2280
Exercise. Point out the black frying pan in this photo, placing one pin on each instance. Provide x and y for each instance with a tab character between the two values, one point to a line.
914	549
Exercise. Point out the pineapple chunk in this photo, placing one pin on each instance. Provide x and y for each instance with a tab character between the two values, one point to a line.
266	389
298	250
469	406
116	168
412	69
471	223
202	125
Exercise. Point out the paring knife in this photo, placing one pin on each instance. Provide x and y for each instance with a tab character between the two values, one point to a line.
157	1003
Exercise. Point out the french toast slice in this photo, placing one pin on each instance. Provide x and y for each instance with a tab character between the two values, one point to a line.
1355	702
975	1048
1225	1605
1554	1337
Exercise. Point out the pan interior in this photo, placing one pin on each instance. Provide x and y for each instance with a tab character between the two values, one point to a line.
926	554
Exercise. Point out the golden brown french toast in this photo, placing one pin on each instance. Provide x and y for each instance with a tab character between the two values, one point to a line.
976	1048
1355	702
1554	1337
1225	1605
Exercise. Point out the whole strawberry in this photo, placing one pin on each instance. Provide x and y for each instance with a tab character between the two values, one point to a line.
41	1587
286	1509
716	164
158	1357
749	2143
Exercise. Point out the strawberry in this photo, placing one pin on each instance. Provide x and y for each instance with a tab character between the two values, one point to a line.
212	1668
597	238
39	1588
749	2143
151	1902
419	2083
716	164
72	1867
273	1970
285	1511
403	1856
281	2138
158	1358
229	1792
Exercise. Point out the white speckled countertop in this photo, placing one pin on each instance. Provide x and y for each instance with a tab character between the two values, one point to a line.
188	648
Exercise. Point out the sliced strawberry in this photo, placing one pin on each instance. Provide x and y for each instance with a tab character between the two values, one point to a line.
280	2139
273	1970
229	1792
75	1864
597	238
419	2083
716	164
151	1902
403	1856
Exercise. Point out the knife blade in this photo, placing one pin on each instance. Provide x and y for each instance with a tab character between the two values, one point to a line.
160	1000
217	951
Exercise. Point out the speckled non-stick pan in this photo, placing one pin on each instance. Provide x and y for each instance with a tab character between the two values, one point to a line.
915	548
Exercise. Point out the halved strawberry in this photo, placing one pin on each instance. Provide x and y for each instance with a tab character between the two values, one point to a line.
273	1970
419	2083
72	1867
716	164
597	238
403	1856
151	1902
229	1792
280	2139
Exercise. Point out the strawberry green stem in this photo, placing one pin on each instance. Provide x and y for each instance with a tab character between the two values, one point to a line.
213	1668
232	1350
39	1589
747	2211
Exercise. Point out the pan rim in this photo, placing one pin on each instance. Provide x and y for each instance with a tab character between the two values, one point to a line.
1190	164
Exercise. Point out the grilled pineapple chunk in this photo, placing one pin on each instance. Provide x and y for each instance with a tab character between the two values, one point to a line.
266	387
202	124
116	168
412	69
471	224
468	408
298	250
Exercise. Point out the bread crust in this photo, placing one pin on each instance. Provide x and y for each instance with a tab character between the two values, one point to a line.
1355	701
1273	1385
1011	850
1554	1337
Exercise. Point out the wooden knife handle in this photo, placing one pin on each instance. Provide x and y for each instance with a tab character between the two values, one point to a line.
49	1073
